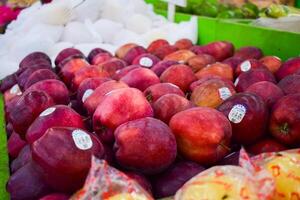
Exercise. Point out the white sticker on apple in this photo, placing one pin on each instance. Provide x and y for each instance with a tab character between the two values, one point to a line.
16	90
224	93
246	66
146	62
48	111
82	140
236	82
237	113
86	95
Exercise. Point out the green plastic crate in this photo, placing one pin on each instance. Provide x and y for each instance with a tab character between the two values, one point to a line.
273	42
4	161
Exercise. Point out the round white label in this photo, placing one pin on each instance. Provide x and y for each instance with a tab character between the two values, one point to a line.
224	93
146	62
236	82
237	113
86	94
48	111
16	90
246	66
82	140
181	62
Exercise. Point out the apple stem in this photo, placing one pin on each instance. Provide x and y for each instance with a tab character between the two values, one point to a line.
149	97
225	147
285	128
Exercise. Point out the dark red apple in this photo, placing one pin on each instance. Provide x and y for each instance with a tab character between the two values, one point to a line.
27	183
245	110
120	106
180	75
156	91
32	58
101	58
164	50
133	140
268	91
140	78
170	104
64	155
56	89
122	50
23	158
67	54
157	44
247	79
170	181
161	66
289	67
122	72
203	134
134	53
233	62
266	145
284	123
40	75
112	66
94	53
183	43
94	98
290	84
68	70
27	108
56	116
200	61
14	145
8	82
249	52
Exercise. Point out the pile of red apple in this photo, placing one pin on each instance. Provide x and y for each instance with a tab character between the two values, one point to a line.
161	115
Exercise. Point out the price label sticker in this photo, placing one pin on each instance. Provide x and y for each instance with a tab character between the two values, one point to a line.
237	113
82	140
246	66
16	90
146	62
236	82
48	111
224	93
86	95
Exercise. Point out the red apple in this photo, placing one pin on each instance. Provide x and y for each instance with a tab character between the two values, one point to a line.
122	50
85	73
27	108
164	50
8	82
66	55
122	72
161	66
233	62
156	91
248	53
140	78
248	65
217	69
219	50
289	67
133	140
247	79
200	61
203	134
273	63
68	70
56	116
183	44
40	75
181	56
112	66
166	184
157	44
95	97
14	145
170	104
290	84
27	183
180	75
23	158
268	91
101	58
245	110
88	86
133	53
146	60
64	155
30	59
54	88
264	146
94	53
284	123
120	106
207	78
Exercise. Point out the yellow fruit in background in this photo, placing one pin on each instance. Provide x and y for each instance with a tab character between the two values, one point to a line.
285	168
127	196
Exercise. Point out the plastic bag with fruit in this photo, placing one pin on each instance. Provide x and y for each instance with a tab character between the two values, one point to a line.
230	182
107	183
285	168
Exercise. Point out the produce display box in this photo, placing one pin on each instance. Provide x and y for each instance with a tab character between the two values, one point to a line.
4	161
241	33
